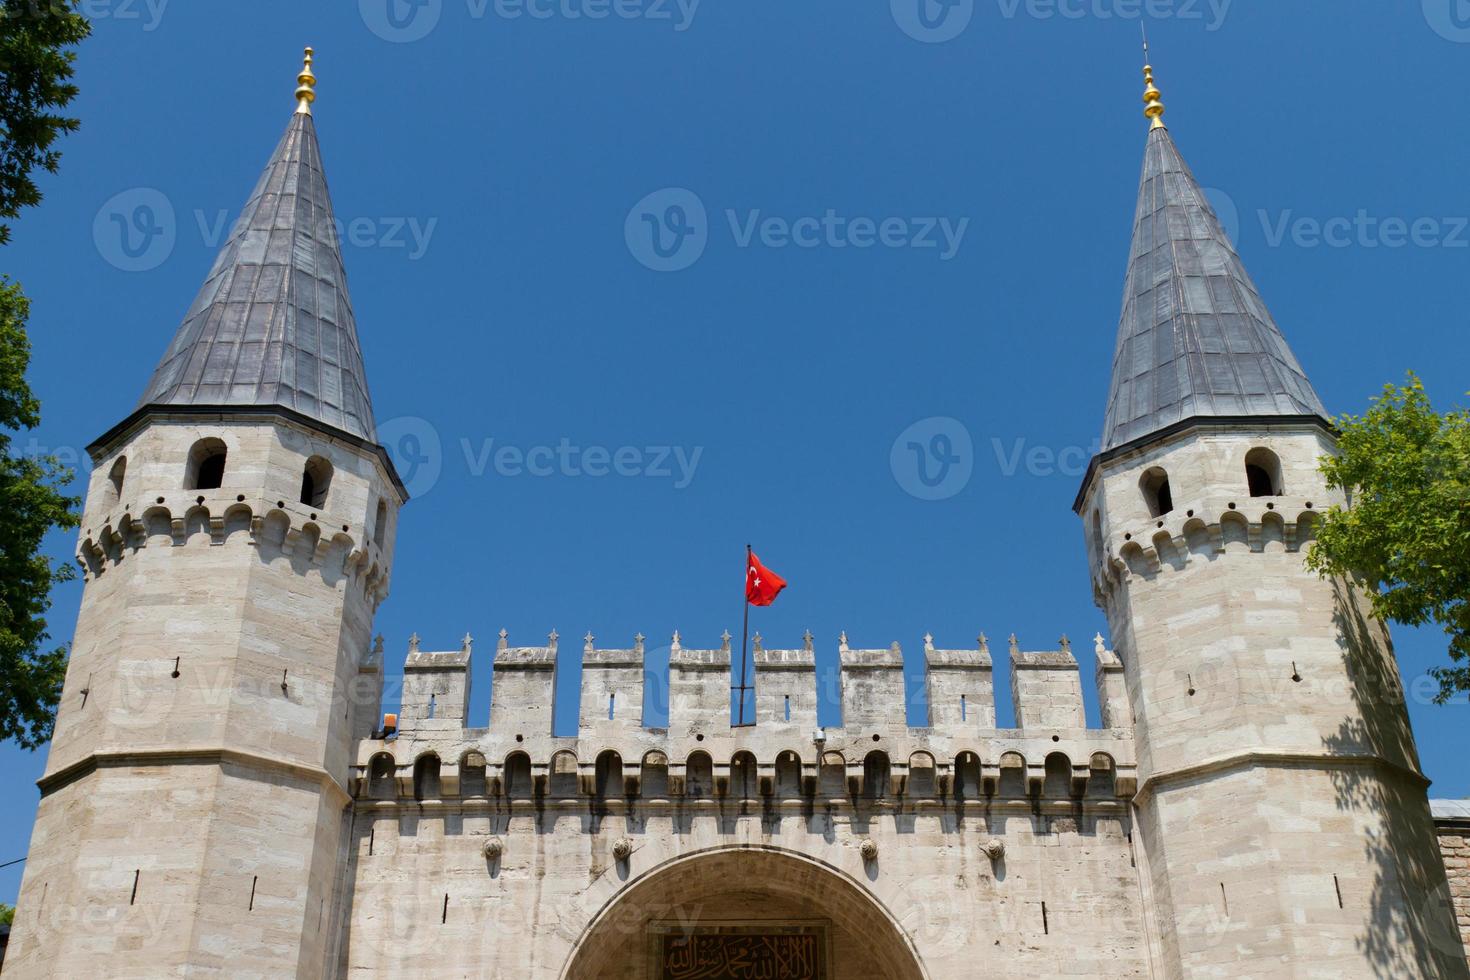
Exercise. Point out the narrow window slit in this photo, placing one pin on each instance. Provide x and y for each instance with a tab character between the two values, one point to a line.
444	917
133	898
1337	886
612	704
1045	922
1224	899
964	708
253	882
788	707
372	838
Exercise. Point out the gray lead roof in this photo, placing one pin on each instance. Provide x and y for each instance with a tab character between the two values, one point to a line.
1195	338
273	324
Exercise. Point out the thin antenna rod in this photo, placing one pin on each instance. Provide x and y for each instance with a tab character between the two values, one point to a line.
1144	28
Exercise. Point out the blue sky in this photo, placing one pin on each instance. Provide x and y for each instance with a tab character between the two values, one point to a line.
952	198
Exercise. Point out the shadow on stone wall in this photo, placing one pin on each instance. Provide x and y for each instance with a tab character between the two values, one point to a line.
1412	928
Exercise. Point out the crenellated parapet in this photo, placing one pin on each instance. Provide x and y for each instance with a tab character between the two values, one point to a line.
615	759
875	694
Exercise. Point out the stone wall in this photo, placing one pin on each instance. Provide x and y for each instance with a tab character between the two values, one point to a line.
508	852
1454	844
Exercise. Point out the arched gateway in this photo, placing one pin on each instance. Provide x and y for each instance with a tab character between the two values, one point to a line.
744	912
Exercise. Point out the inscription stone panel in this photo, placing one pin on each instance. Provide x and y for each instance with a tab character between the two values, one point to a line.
745	952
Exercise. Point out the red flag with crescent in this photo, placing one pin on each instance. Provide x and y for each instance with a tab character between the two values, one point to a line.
761	584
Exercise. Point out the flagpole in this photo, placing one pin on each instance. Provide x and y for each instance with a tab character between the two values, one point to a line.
744	639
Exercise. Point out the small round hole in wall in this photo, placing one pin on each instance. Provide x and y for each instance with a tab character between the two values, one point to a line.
1309	505
280	503
1231	505
520	738
1128	537
160	500
1056	738
1189	513
1270	506
313	517
198	500
346	528
877	737
699	738
1161	523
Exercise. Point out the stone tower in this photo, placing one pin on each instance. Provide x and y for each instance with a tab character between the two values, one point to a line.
1283	817
237	539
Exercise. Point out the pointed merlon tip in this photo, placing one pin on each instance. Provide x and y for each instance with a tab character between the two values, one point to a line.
306	84
1153	105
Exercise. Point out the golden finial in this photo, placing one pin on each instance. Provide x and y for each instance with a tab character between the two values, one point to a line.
1153	106
306	93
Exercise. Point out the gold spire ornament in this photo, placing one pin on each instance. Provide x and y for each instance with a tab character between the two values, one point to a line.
1153	106
306	92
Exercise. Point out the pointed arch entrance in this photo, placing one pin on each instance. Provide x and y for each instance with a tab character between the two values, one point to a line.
748	904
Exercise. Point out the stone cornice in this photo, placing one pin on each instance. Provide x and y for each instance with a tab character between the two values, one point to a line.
187	756
1270	757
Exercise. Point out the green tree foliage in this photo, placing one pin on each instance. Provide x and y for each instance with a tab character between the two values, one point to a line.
31	505
7	914
1406	470
35	84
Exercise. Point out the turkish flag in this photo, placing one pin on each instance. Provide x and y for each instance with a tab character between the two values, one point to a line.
761	584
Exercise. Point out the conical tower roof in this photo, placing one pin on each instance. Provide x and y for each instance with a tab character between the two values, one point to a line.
1195	339
273	324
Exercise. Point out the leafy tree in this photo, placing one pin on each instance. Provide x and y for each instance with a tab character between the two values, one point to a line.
35	84
7	914
1406	470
